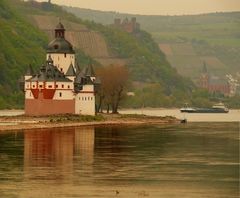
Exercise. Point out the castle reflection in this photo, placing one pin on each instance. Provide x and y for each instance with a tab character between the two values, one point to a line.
49	153
77	155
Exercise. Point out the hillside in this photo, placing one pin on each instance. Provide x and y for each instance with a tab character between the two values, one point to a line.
26	28
21	44
188	41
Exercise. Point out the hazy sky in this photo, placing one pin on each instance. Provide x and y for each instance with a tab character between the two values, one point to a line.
157	7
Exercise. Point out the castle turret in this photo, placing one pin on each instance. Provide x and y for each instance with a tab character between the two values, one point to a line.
60	50
85	87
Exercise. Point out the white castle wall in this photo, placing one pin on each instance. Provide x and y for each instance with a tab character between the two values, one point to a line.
85	101
28	94
62	61
64	91
63	95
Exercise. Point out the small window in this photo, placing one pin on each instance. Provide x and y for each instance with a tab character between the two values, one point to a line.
61	69
68	86
33	86
62	86
88	98
65	55
82	98
49	86
79	98
40	86
91	98
60	94
30	94
56	86
85	98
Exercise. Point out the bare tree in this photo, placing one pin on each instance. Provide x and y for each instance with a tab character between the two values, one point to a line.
114	80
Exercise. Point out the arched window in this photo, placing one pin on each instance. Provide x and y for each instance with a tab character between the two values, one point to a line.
60	94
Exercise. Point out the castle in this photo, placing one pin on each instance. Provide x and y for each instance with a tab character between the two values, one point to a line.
59	87
130	26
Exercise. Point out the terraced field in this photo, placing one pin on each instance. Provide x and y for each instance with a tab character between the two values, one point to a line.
92	43
188	63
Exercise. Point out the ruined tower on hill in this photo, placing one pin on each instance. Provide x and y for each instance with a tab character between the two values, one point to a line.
130	26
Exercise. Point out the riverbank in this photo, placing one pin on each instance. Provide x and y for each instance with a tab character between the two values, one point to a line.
22	122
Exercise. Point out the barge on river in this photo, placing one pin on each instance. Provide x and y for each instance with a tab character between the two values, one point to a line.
217	108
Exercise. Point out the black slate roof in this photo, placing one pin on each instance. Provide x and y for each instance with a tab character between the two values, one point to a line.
71	71
60	45
49	73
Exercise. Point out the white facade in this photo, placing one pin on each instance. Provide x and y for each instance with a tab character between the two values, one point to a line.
62	60
85	101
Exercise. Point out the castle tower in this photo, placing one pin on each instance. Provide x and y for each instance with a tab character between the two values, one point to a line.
85	92
60	50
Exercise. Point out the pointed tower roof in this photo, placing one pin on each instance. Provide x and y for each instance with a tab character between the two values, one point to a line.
204	70
89	71
71	71
29	71
50	60
60	26
78	70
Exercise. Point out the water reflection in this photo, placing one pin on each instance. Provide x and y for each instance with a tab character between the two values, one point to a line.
49	154
155	161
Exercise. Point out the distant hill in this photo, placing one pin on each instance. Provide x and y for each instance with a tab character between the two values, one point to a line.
26	28
192	39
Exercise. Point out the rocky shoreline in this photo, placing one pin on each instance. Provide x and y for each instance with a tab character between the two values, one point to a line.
12	123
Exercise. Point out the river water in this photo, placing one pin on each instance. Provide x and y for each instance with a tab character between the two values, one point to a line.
193	160
232	116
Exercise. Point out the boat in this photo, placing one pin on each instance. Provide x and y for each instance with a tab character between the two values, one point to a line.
217	108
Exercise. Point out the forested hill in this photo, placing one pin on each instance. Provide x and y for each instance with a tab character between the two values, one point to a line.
20	44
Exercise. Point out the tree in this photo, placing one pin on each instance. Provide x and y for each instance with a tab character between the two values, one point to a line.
114	80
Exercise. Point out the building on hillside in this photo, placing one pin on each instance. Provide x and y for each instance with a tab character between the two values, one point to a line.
130	26
233	84
59	87
212	83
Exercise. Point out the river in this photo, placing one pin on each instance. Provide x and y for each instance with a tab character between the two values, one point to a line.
193	160
232	116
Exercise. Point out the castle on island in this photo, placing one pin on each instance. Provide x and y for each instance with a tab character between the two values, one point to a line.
60	87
